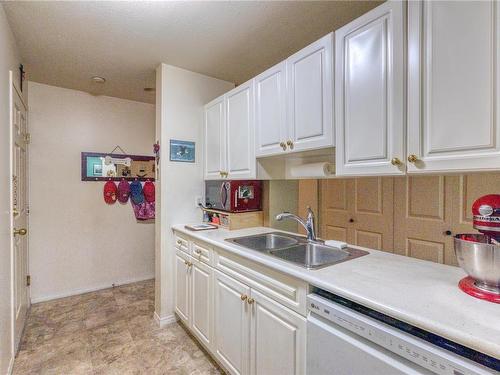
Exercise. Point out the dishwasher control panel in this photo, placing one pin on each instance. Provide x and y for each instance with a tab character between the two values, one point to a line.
419	352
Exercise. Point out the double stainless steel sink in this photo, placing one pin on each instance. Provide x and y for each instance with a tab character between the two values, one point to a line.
296	249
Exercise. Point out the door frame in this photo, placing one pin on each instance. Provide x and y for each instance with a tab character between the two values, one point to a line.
13	90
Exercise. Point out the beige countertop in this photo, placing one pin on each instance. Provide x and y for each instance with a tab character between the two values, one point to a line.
418	292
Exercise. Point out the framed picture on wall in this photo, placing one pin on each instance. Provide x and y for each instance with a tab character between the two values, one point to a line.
183	151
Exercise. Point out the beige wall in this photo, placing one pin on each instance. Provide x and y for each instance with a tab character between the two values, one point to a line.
77	242
404	215
180	97
9	60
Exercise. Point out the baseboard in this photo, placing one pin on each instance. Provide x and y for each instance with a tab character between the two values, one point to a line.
11	365
90	289
166	320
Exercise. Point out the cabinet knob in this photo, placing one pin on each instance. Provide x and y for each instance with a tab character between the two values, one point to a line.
20	232
283	146
198	251
250	301
351	220
244	297
412	158
189	264
448	232
290	144
179	242
396	162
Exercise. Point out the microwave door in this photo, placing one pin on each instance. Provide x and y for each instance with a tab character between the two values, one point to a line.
224	194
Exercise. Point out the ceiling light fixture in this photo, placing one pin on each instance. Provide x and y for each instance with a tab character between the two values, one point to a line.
97	79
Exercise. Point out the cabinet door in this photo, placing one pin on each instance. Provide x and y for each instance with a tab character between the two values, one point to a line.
369	93
270	111
278	338
240	132
201	302
232	324
310	96
182	286
214	145
453	85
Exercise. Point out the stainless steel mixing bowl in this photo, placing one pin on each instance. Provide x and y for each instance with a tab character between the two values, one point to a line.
480	258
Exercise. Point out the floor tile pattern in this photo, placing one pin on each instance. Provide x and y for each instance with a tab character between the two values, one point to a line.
111	331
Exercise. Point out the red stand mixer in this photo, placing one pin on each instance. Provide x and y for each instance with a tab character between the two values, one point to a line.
479	254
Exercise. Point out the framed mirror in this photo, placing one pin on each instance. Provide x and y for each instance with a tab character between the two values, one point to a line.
98	166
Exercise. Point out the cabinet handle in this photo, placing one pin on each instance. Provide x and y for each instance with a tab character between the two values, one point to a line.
189	264
20	232
448	232
250	301
179	242
290	144
198	251
243	297
412	158
396	162
351	220
283	146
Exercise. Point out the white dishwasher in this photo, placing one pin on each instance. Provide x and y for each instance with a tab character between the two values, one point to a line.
344	338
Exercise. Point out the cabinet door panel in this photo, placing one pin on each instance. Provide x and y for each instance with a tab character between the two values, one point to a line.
454	60
278	338
270	110
310	95
201	302
369	90
182	286
240	132
232	324
214	150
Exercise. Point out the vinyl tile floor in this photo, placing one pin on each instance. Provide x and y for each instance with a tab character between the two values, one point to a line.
110	331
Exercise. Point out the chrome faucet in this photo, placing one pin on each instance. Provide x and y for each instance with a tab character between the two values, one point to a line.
308	224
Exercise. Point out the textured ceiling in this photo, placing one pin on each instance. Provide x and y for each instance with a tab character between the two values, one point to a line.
66	43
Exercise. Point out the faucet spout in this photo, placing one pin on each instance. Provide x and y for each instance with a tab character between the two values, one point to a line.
308	223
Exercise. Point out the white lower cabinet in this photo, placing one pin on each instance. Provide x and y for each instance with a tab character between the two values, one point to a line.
201	302
246	330
182	286
232	324
277	338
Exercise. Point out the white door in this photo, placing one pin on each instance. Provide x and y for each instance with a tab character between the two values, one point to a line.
369	93
278	337
182	286
20	210
310	96
453	85
240	132
214	137
270	111
232	324
201	302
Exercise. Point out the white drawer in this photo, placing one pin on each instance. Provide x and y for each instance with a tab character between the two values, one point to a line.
201	252
287	290
181	243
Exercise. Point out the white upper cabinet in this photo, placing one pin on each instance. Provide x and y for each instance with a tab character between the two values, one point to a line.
229	135
240	132
294	102
310	96
270	111
370	93
214	138
453	86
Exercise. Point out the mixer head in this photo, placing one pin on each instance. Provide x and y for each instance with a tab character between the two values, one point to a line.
486	215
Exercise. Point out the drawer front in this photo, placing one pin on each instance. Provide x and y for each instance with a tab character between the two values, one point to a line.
181	243
287	290
201	252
